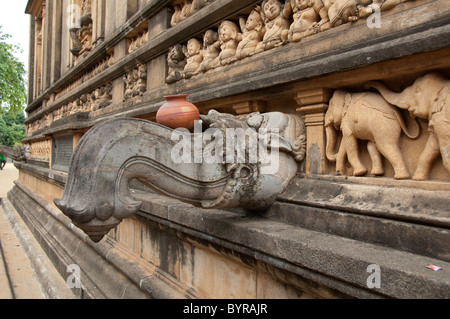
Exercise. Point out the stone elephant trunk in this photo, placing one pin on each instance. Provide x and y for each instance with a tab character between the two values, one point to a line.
331	137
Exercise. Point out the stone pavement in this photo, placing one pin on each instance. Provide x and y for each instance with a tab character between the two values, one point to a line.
25	271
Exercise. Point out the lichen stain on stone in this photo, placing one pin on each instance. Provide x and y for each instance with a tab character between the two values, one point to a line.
314	158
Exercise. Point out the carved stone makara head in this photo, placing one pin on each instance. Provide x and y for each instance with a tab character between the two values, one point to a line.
226	162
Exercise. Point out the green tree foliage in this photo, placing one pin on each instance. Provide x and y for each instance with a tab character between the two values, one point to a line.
12	129
12	77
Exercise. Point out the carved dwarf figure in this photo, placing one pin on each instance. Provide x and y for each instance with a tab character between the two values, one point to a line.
194	56
211	50
343	11
276	19
186	9
252	34
176	62
229	37
199	4
309	16
176	16
141	80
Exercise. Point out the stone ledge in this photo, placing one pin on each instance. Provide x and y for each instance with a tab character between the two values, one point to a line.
50	175
283	238
314	255
383	198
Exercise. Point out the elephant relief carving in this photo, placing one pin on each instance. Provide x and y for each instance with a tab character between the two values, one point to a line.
366	116
427	98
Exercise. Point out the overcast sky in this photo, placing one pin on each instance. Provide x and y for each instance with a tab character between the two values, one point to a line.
16	23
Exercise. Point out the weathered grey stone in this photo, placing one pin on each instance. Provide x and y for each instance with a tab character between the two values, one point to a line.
96	197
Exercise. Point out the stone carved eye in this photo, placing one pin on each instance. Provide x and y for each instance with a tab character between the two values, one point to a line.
245	172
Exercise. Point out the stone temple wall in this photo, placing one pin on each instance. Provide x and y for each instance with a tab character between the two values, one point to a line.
367	79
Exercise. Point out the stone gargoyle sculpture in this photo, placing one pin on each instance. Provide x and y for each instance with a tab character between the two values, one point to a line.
20	153
228	163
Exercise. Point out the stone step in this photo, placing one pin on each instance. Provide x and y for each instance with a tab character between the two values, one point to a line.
341	262
409	219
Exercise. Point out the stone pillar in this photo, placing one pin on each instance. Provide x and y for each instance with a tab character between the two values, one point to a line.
98	14
37	57
118	84
313	105
77	135
157	67
47	43
55	65
31	61
110	18
125	10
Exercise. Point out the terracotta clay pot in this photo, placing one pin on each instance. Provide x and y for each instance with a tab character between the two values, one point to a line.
177	112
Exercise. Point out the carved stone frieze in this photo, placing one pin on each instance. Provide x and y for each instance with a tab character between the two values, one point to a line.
366	116
213	168
137	41
135	82
86	102
271	24
81	32
375	117
41	149
99	67
427	98
183	9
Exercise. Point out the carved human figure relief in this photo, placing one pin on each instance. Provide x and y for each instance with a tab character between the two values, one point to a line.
229	37
176	16
211	50
427	98
366	116
186	9
176	61
252	33
135	82
277	22
194	55
343	11
199	4
308	16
